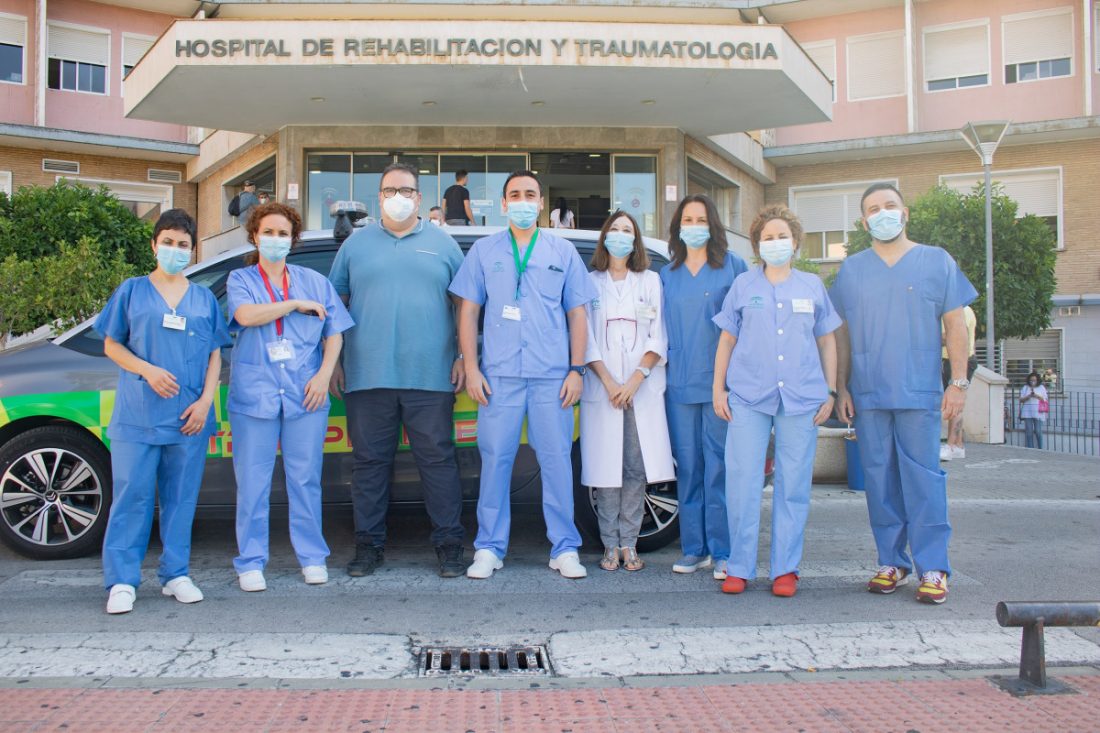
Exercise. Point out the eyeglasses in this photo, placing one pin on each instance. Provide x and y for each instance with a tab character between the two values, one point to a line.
406	191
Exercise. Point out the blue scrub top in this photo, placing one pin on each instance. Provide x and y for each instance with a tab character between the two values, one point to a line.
404	332
893	316
259	387
134	317
775	359
691	301
555	282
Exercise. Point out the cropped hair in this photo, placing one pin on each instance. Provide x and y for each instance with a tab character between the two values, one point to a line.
519	174
768	213
405	167
179	220
881	186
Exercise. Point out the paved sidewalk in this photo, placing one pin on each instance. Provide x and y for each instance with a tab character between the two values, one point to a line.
905	705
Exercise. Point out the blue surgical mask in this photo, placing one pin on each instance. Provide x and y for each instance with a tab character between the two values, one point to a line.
695	235
886	225
777	252
172	259
274	249
523	214
619	244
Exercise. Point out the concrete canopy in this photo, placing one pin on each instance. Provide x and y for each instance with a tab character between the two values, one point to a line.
261	76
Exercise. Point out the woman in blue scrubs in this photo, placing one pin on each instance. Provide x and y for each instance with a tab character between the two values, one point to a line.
775	368
166	336
695	283
289	322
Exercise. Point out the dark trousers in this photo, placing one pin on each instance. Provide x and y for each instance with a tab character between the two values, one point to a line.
375	417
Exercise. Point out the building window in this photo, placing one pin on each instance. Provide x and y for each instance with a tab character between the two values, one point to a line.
5	182
133	48
723	192
828	214
13	40
1037	192
823	53
876	66
78	59
1038	45
1024	356
956	56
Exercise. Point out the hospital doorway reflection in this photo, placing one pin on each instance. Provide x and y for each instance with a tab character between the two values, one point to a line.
582	179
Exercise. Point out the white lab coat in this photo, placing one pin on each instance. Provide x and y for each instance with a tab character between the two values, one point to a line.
615	344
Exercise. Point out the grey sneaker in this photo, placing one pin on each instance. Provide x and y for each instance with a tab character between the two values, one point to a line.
720	570
691	563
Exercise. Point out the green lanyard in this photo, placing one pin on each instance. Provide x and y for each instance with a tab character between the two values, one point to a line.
521	267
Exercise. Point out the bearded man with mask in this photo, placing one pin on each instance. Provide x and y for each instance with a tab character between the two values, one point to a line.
893	298
401	367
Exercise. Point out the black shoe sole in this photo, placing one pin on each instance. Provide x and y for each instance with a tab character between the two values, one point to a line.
457	572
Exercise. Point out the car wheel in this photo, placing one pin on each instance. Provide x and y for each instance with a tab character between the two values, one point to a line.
55	493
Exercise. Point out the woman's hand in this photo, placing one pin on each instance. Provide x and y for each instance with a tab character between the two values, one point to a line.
316	391
195	415
721	399
310	307
824	411
162	381
625	397
477	386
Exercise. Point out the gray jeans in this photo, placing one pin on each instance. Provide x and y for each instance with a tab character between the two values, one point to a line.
619	508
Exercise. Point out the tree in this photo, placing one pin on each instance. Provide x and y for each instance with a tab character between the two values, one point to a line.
1023	253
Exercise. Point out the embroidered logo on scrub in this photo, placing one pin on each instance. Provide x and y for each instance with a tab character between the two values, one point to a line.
756	301
498	266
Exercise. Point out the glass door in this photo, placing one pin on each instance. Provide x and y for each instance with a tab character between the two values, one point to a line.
634	189
487	173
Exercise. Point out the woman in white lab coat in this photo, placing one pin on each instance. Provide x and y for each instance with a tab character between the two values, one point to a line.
624	431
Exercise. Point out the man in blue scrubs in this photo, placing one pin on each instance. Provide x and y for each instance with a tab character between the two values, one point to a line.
400	367
893	298
533	286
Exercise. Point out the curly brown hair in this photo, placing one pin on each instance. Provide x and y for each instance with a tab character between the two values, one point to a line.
257	214
775	211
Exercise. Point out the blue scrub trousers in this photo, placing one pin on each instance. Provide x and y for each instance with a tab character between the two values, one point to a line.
141	473
550	433
746	451
906	490
699	444
255	441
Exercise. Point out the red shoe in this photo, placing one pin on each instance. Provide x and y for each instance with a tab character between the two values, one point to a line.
733	585
785	585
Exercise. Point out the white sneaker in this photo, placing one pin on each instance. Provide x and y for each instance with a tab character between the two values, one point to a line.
315	574
569	565
182	589
957	452
720	570
484	564
691	563
121	599
252	581
946	452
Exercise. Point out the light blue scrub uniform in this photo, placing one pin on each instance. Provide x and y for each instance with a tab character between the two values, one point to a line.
893	316
775	380
698	435
525	362
150	457
266	413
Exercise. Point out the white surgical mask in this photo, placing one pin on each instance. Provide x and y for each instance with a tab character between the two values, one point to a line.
398	208
274	249
777	252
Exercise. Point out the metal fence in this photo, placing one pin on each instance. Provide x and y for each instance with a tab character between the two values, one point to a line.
1072	425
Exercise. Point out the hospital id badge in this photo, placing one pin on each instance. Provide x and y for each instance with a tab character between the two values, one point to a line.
281	350
802	305
174	322
511	313
645	311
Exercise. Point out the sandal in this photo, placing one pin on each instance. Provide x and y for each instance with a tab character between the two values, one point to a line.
610	559
631	561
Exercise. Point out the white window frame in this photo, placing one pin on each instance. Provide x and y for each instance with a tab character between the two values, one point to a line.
1065	10
848	63
5	182
88	29
830	43
1096	38
953	27
840	187
127	36
149	193
1023	173
13	16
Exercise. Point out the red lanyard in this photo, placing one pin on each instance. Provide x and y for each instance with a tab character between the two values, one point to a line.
286	294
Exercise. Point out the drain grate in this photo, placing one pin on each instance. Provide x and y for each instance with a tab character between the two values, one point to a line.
494	661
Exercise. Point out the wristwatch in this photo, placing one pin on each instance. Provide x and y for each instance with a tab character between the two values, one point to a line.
581	370
833	394
962	384
645	372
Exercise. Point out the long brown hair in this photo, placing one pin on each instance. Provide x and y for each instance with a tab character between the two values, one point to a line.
716	246
252	226
638	261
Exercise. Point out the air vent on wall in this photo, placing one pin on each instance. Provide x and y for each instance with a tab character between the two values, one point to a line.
159	175
1069	310
49	165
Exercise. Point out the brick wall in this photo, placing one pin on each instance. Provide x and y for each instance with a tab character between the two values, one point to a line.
213	217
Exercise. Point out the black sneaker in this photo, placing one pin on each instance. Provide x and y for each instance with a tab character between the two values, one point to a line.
367	559
451	564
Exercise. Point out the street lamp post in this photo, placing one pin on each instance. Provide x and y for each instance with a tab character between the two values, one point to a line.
983	138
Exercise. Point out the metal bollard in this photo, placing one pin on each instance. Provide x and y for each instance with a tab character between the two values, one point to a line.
1034	617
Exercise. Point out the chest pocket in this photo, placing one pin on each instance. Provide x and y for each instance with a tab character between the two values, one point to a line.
549	283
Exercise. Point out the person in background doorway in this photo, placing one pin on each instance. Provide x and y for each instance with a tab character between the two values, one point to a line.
263	198
456	202
1033	398
561	217
435	216
247	201
165	335
954	447
695	284
624	430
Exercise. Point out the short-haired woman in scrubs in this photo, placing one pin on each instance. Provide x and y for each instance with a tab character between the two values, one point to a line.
289	322
166	336
695	283
775	369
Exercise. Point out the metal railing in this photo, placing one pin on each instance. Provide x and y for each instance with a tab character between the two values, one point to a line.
1072	425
